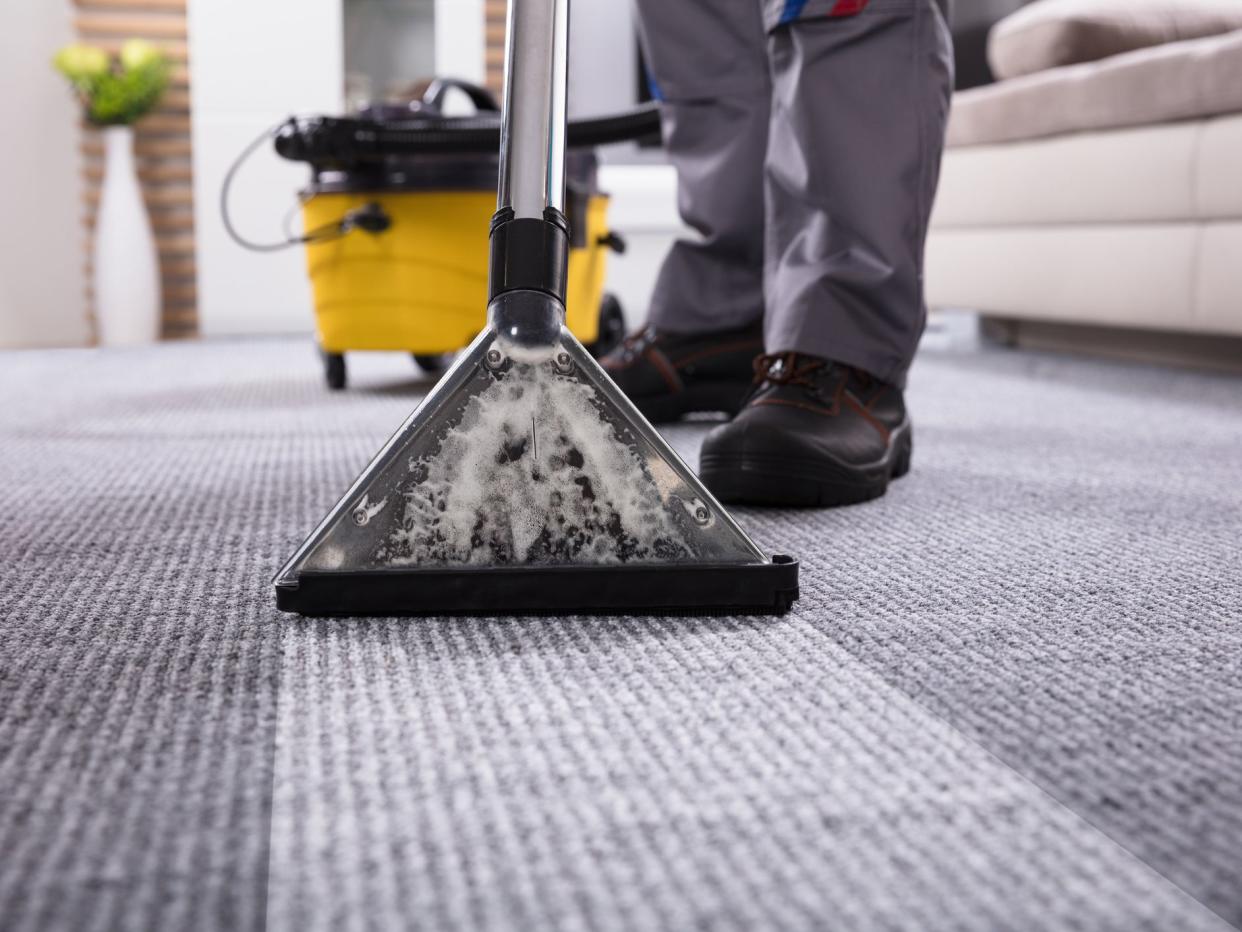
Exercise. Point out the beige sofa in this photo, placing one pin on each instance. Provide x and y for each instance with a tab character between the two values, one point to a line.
1106	195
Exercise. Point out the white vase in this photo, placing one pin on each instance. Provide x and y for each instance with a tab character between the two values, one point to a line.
127	278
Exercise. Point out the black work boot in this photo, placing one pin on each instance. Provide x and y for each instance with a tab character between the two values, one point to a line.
668	375
813	432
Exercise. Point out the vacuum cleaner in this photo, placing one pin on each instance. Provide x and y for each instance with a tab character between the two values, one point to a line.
395	224
526	482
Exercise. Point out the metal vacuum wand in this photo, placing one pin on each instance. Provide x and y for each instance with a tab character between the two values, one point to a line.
530	234
532	134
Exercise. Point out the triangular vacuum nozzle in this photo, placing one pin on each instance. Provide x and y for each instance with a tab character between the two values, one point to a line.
527	483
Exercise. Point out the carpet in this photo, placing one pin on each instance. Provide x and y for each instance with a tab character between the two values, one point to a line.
1010	696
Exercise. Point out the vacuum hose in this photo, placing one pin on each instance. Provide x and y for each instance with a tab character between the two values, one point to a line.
325	141
350	139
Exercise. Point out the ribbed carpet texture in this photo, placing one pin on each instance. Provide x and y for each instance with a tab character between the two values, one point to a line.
1009	698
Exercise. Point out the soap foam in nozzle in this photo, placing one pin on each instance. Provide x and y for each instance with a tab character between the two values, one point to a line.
533	473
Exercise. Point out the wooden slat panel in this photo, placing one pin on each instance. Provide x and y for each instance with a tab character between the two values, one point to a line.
177	295
165	196
172	247
153	147
162	224
181	294
175	99
494	18
162	145
162	172
148	26
181	244
178	268
165	124
173	271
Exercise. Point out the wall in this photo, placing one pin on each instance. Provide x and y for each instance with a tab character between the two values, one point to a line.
603	57
460	40
42	279
644	211
251	65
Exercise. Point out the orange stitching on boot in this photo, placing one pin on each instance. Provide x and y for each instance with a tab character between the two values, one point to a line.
801	405
867	416
662	365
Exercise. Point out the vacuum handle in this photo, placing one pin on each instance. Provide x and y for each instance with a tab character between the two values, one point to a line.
532	128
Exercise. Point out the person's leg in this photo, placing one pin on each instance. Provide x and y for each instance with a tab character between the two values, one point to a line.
709	67
704	327
859	104
859	101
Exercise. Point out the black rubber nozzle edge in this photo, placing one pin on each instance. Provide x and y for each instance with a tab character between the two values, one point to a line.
768	588
529	254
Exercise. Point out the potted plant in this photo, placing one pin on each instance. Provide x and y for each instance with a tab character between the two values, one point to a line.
116	91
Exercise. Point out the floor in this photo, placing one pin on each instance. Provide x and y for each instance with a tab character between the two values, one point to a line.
1010	696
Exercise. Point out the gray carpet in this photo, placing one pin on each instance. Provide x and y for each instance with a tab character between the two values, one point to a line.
1011	696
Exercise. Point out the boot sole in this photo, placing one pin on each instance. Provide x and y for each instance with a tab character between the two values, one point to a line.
701	397
750	479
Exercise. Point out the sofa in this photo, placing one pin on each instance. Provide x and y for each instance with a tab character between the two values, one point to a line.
1092	197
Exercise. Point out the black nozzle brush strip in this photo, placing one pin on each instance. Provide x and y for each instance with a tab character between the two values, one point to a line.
526	482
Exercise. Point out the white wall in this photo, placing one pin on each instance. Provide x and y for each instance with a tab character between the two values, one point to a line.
644	211
252	64
602	59
42	248
460	39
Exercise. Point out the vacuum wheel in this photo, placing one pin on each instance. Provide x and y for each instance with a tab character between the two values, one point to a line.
433	364
611	327
334	370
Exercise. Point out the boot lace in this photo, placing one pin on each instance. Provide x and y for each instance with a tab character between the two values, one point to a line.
787	369
636	343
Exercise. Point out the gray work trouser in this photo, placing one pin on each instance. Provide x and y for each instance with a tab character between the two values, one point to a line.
807	147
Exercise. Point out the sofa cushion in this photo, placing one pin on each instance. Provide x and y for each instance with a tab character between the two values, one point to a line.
1187	170
1135	275
1050	33
1120	176
1164	276
1182	81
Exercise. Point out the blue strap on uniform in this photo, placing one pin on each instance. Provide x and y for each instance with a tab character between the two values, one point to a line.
793	9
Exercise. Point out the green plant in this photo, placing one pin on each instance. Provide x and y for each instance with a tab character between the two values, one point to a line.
115	90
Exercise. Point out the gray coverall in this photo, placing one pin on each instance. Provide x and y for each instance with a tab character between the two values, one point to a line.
806	135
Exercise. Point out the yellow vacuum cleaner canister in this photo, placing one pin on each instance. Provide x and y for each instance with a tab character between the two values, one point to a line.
396	229
420	286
